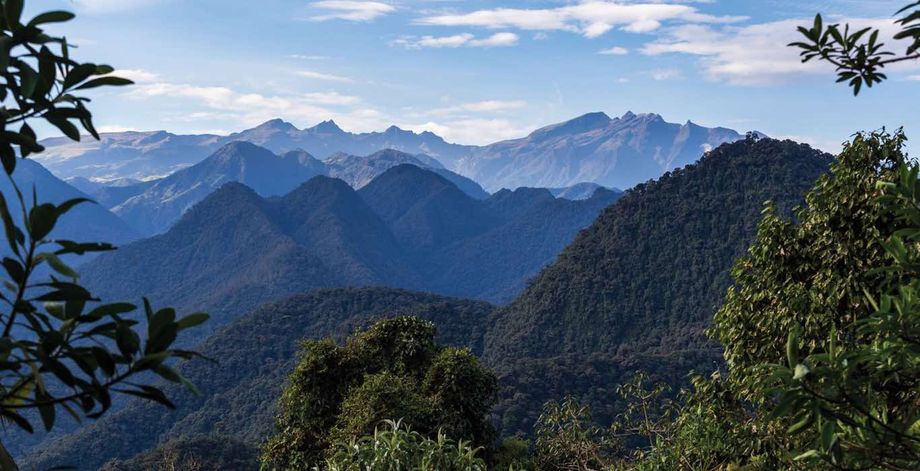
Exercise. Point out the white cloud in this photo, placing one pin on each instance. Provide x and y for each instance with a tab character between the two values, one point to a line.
471	131
351	10
312	74
111	6
665	74
485	106
208	103
748	55
614	51
137	75
591	18
914	78
496	40
457	40
305	57
114	128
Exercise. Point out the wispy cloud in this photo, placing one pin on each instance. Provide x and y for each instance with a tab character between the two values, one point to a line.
457	40
665	74
305	57
351	10
472	131
485	106
314	75
749	55
589	18
614	51
111	6
209	103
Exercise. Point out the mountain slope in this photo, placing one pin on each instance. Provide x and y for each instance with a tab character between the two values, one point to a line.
154	210
637	287
87	222
256	354
409	228
152	207
619	152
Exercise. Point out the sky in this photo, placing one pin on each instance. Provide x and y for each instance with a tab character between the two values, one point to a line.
477	71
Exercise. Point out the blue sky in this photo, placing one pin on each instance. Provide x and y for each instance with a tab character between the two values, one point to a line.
477	71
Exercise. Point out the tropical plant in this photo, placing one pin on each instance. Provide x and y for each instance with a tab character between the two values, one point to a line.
60	348
395	447
858	54
395	369
856	398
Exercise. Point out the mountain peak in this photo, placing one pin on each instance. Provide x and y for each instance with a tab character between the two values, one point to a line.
581	124
628	115
238	149
276	124
328	127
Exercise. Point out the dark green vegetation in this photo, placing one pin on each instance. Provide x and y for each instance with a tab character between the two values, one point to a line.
257	353
338	394
611	304
637	289
61	350
858	55
820	341
408	228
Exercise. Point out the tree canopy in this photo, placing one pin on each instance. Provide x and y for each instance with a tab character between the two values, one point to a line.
392	371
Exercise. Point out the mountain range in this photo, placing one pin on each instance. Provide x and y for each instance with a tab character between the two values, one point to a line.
635	290
408	228
614	152
152	207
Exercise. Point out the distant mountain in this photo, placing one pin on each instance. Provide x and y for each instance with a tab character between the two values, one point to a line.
618	153
615	153
256	354
151	208
146	155
637	288
327	138
159	206
140	155
87	222
409	228
578	191
358	171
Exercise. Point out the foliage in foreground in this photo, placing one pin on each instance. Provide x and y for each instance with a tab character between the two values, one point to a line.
858	55
394	447
60	349
395	369
842	391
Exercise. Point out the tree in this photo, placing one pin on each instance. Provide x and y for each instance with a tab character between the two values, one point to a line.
60	348
395	447
393	371
856	398
858	55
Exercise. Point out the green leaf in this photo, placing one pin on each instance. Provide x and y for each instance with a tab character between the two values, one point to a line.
57	265
105	81
42	219
56	16
193	320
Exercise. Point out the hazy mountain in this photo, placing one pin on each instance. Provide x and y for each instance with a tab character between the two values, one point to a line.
146	155
87	222
327	138
140	155
578	191
636	289
358	171
160	205
618	153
